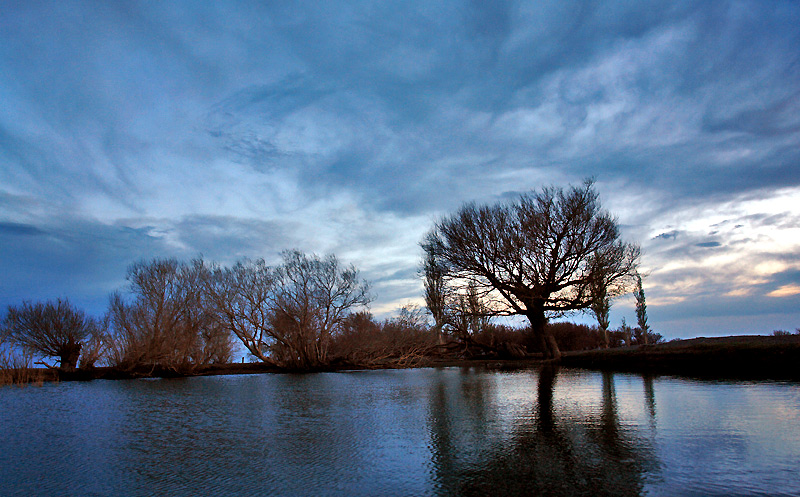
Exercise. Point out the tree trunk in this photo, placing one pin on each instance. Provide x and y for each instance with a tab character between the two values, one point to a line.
553	349
437	330
546	339
69	356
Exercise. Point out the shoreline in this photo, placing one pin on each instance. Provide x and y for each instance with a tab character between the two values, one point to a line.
747	357
736	357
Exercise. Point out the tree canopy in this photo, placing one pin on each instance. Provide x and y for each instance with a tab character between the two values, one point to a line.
52	328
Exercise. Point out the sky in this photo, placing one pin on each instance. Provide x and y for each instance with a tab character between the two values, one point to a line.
133	130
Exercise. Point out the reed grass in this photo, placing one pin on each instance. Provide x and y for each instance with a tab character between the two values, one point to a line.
16	368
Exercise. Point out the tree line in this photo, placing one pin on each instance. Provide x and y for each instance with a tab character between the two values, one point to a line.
542	256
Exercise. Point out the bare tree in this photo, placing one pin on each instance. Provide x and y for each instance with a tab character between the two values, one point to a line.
465	313
603	286
242	298
311	297
169	323
459	311
286	315
536	257
54	329
95	346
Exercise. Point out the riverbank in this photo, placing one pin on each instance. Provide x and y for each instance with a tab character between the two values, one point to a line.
739	357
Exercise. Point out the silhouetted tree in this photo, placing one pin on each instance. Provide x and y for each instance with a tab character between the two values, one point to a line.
600	306
626	332
536	257
465	313
457	311
641	309
53	329
435	293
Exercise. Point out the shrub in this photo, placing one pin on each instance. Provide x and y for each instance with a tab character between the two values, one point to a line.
401	340
572	336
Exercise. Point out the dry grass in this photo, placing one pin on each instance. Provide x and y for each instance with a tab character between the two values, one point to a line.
16	368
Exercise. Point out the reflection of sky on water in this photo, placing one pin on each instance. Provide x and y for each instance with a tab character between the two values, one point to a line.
746	434
412	432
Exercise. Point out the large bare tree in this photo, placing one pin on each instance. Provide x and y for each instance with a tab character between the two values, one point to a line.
537	257
55	329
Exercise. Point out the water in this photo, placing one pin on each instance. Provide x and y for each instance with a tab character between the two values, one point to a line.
409	432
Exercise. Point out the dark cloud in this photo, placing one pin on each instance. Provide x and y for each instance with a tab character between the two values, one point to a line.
787	277
82	261
226	239
704	307
20	229
670	235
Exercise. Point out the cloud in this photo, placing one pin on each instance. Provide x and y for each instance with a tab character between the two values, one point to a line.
785	291
20	229
667	236
129	131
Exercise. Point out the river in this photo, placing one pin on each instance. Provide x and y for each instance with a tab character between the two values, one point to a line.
447	432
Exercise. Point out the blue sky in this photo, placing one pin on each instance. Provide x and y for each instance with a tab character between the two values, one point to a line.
130	130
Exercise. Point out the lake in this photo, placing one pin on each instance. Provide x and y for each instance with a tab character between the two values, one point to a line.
449	431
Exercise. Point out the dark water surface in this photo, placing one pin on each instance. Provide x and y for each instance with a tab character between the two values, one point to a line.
409	432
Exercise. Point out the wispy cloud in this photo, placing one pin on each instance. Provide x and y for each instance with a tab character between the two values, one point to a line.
136	130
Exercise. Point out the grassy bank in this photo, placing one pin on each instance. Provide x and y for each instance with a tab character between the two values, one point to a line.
745	357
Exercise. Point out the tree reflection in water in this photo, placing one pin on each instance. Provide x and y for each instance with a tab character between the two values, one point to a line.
650	398
549	451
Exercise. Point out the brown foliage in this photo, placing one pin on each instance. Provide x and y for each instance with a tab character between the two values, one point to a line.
400	341
571	336
16	367
169	323
496	341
